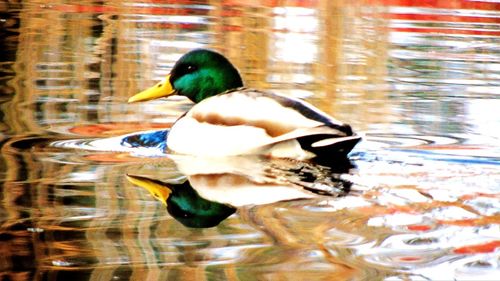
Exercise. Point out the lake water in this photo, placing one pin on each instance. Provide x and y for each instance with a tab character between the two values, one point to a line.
419	199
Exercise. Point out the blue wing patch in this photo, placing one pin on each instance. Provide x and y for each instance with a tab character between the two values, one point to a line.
156	139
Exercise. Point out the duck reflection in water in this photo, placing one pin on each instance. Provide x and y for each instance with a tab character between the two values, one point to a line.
183	202
213	188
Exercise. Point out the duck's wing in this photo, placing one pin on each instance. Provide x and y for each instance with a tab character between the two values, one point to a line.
244	120
307	111
275	113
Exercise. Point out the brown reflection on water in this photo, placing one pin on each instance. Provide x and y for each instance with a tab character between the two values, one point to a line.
423	77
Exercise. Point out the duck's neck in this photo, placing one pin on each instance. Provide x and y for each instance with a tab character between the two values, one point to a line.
211	84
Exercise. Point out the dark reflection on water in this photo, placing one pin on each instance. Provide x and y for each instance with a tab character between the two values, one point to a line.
420	80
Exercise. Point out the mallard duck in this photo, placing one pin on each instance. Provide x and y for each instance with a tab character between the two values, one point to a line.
228	119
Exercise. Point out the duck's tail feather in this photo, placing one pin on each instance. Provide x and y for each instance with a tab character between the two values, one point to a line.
329	146
317	142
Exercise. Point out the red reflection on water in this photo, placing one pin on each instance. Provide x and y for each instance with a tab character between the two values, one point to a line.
115	128
478	248
419	227
410	258
442	4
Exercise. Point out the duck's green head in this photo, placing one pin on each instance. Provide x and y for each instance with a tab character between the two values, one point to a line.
199	74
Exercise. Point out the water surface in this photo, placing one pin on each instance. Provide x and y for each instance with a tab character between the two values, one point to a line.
420	81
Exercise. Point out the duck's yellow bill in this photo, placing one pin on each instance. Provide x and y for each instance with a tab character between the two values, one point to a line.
162	89
159	191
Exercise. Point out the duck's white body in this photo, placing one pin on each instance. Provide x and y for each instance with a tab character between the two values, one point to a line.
245	121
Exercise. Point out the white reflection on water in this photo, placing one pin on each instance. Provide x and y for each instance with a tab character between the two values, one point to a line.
483	116
296	39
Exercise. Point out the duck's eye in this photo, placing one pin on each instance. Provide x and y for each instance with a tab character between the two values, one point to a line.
181	70
186	69
190	69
